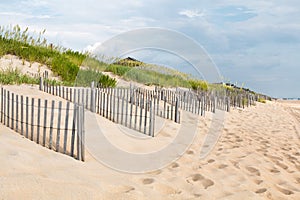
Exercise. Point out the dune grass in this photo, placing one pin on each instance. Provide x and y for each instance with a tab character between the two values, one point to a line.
66	64
10	77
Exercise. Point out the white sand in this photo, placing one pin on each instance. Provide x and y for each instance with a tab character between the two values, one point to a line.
257	157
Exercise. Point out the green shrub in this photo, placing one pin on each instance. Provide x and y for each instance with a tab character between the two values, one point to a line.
105	81
198	85
119	70
11	77
261	100
85	77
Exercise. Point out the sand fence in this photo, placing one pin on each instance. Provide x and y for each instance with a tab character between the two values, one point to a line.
53	124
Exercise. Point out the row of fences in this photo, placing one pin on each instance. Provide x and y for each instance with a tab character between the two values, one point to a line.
53	124
124	106
137	108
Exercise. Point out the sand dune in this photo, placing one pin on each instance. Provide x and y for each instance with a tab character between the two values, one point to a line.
257	157
11	62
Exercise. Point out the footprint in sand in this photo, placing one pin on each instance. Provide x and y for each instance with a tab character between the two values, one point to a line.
273	158
283	166
166	190
296	154
207	183
147	181
235	164
190	152
262	190
198	177
222	166
253	170
197	195
174	165
258	182
124	189
275	170
284	191
210	161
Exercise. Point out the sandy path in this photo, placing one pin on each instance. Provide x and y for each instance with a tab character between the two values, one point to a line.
257	157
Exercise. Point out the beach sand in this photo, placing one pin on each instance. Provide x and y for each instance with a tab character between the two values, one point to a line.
257	157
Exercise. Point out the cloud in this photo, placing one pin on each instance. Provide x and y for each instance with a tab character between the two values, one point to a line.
191	13
247	39
24	15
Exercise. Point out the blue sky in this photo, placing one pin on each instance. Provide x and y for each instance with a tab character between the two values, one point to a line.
255	43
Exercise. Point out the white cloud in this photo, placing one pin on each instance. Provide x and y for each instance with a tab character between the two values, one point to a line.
34	3
24	15
226	29
191	13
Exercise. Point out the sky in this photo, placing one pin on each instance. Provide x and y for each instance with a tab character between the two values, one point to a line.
253	43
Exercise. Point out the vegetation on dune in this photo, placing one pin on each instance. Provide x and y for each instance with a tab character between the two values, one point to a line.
85	77
81	68
149	77
198	85
63	62
10	77
66	63
261	100
119	70
148	74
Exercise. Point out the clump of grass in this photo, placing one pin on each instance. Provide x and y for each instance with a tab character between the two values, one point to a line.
244	101
105	81
198	85
14	76
85	77
155	78
119	70
261	100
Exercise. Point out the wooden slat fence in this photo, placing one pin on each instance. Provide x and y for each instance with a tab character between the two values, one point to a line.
120	105
53	124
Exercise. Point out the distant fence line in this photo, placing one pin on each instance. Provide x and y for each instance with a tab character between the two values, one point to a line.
50	123
136	108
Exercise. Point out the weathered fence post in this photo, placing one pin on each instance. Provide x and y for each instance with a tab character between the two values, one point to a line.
17	113
82	143
93	97
145	121
38	121
75	109
32	118
2	105
176	111
228	104
58	126
151	121
8	106
45	122
80	133
26	118
41	84
66	127
12	110
22	115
